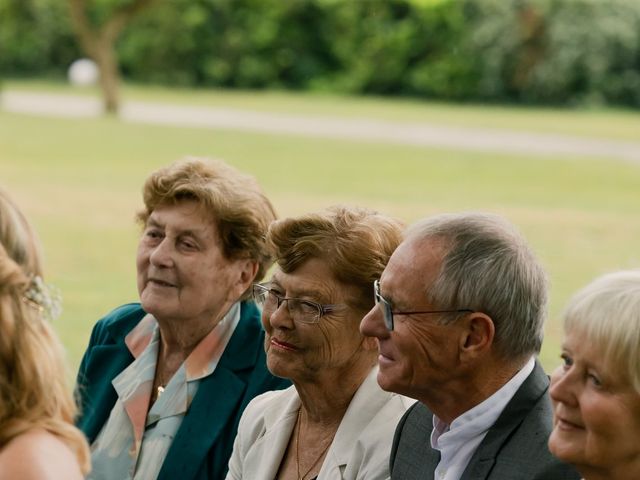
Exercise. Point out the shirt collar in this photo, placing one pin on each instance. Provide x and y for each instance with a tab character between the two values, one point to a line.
141	336
481	417
204	358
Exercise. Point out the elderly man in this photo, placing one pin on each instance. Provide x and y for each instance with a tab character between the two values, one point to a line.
459	317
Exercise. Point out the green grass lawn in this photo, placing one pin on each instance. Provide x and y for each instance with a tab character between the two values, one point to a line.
79	181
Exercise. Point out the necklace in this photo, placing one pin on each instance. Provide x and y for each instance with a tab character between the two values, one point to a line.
315	462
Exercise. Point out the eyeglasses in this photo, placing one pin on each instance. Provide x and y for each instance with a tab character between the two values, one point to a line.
388	313
304	311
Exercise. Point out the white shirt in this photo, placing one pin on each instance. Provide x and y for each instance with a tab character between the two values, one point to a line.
135	440
457	442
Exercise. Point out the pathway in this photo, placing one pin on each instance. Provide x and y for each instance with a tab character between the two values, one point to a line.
412	133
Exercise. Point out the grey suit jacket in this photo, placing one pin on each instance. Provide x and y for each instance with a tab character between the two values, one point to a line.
515	447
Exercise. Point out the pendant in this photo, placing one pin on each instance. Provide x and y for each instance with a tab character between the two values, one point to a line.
160	391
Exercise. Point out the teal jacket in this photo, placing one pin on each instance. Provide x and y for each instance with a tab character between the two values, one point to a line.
204	442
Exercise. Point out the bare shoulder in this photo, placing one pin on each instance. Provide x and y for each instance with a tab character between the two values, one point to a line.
38	455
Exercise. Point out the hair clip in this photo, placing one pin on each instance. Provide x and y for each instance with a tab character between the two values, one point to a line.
43	297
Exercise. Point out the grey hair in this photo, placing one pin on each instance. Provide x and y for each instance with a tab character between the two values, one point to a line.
488	267
607	314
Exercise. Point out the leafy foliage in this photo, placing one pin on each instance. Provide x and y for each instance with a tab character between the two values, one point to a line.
35	37
529	51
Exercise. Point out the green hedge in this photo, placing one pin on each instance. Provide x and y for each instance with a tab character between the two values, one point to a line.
556	51
231	43
35	37
531	51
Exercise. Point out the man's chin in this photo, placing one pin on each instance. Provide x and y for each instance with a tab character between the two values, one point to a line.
386	383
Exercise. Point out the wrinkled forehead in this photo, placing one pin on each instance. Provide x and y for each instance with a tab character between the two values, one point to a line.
190	205
312	279
185	215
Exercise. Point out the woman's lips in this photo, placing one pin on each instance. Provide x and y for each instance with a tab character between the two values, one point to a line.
160	283
279	344
563	424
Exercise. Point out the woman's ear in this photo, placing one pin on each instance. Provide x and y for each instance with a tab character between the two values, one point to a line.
250	271
247	271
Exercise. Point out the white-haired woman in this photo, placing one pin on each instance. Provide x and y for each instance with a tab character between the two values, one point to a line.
596	390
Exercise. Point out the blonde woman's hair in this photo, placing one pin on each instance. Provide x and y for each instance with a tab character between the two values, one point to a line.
33	388
607	313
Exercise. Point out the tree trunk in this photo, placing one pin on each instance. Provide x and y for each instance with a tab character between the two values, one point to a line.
105	57
99	42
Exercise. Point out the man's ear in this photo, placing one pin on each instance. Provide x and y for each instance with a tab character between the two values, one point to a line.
478	334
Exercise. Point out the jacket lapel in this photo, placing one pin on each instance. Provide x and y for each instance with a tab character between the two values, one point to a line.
215	405
279	422
520	405
366	402
103	364
423	465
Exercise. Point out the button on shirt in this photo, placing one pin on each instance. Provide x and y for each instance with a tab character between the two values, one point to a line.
134	441
458	442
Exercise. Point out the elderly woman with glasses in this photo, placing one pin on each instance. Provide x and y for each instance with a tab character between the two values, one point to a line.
335	422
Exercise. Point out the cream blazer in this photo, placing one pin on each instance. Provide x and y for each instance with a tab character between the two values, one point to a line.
360	450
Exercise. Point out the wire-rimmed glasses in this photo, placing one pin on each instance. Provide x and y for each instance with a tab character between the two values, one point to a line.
388	312
304	311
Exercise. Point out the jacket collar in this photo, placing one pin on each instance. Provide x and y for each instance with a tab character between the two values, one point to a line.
120	327
279	422
536	385
367	401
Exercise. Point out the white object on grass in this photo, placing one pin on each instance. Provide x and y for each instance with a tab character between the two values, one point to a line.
83	72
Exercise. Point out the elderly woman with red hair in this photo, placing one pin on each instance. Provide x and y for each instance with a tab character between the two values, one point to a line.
335	422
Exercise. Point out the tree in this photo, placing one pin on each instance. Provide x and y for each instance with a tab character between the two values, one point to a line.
97	25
